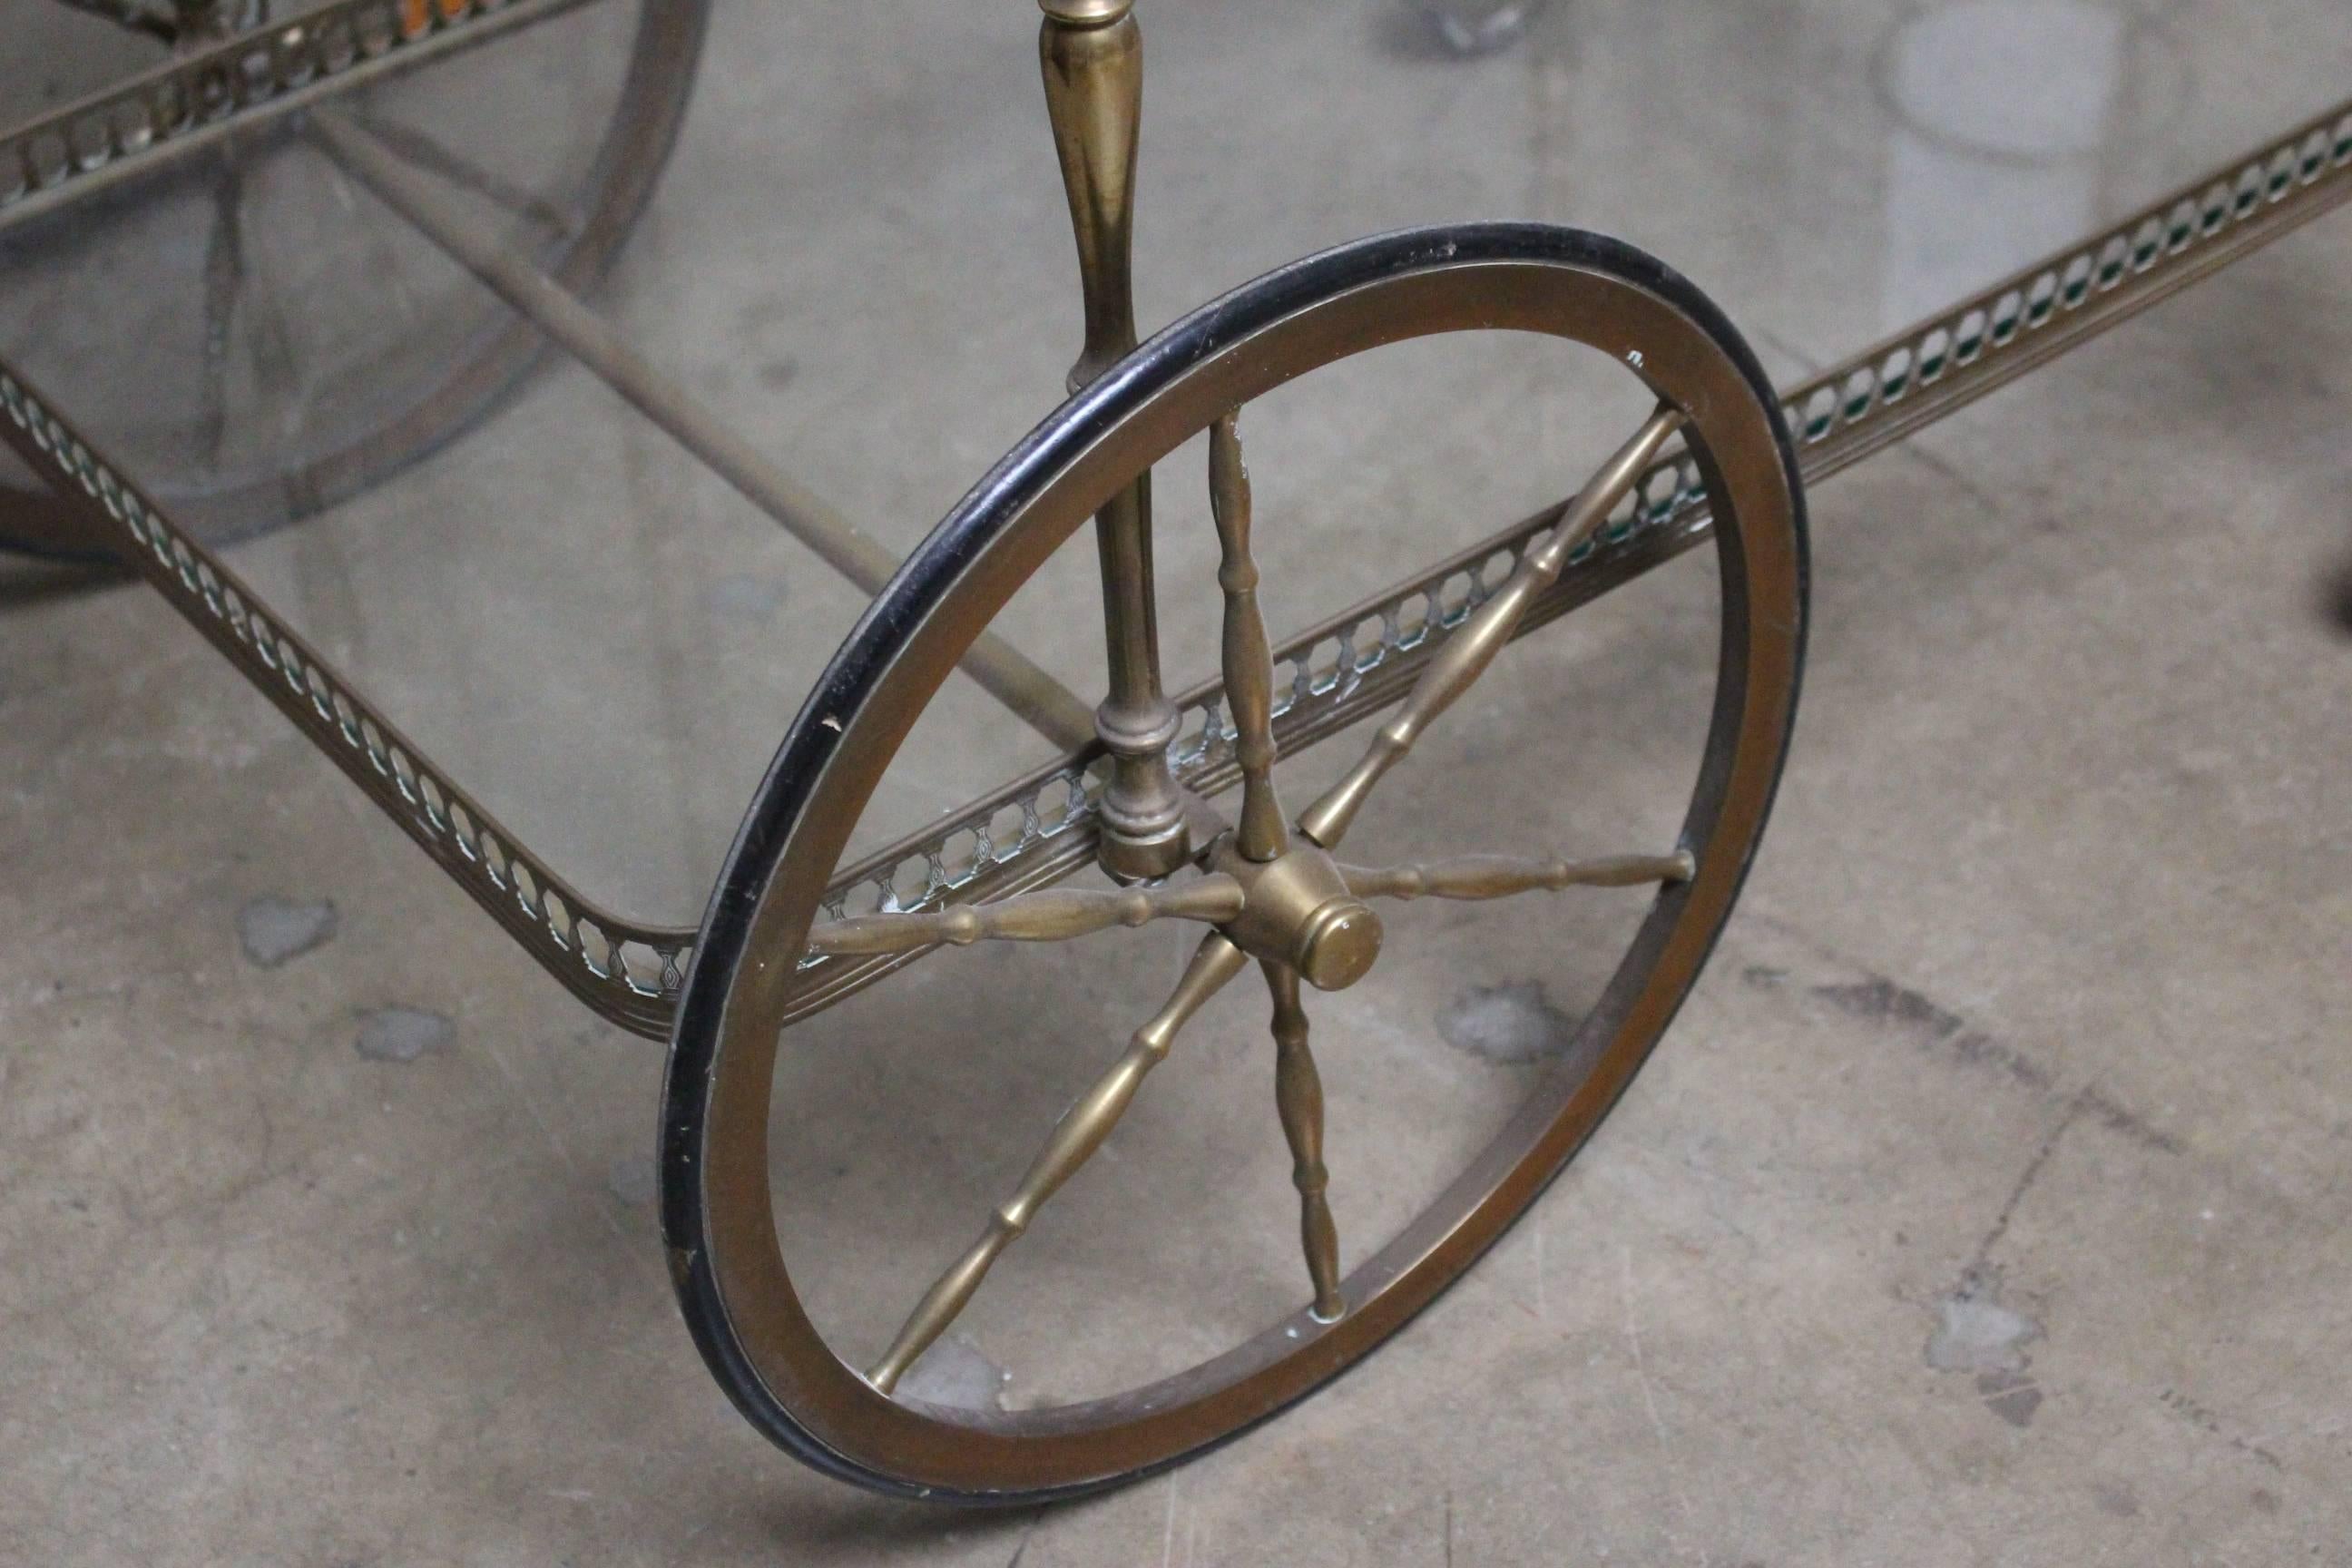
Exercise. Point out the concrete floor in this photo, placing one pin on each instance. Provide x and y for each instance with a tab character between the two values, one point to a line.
1984	1205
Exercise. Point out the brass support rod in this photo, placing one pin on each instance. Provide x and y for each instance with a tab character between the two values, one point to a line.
1091	56
1467	654
1298	1098
1075	1138
1008	674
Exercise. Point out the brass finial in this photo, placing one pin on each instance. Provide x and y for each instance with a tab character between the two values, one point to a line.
1085	13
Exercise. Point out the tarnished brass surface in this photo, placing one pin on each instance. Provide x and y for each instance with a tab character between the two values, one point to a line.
1502	875
1091	57
1085	13
1293	900
1297	911
734	1265
1057	915
1298	1098
1077	1136
1248	655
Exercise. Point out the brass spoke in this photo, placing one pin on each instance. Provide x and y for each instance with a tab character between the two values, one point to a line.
1298	1098
1057	915
1464	656
1502	876
1249	654
1076	1137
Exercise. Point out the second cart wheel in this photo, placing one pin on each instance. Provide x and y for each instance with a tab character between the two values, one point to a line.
1272	889
258	338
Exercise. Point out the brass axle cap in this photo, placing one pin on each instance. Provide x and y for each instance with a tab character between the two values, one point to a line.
1296	910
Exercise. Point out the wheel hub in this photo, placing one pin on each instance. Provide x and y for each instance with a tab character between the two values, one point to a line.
1298	911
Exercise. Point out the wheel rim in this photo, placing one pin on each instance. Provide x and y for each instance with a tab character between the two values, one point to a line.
649	108
717	1197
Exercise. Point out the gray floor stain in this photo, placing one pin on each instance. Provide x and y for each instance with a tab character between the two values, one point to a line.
633	1180
954	1373
2115	1498
274	931
1511	1023
1974	1333
743	597
403	1034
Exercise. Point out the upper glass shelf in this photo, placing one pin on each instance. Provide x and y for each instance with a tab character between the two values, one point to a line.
858	256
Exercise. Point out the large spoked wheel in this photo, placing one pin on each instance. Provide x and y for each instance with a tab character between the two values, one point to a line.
1272	889
256	336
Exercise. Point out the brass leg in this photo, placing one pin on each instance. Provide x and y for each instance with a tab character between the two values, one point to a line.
1298	1098
1092	58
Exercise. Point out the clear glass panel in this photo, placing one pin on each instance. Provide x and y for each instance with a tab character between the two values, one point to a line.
859	258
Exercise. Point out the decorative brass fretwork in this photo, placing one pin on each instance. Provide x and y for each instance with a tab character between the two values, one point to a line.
1055	915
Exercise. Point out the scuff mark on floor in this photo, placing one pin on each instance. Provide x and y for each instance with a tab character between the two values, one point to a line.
955	1374
1511	1023
275	931
398	1033
1977	1333
1937	1031
633	1180
2206	1419
1878	1000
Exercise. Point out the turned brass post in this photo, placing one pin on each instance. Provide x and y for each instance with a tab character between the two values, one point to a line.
1092	58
